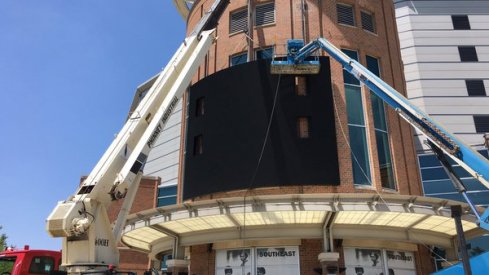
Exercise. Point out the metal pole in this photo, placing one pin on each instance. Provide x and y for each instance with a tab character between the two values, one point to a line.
251	53
456	215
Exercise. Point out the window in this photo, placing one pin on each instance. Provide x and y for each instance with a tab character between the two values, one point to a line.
460	22
237	59
368	23
300	86
264	53
199	107
41	265
345	14
265	14
356	127
7	264
238	21
481	123
167	195
475	87
198	145
467	53
303	127
381	134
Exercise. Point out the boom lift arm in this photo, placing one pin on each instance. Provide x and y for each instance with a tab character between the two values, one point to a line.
89	240
438	137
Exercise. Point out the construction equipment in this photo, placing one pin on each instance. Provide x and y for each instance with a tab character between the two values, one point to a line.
89	240
26	261
441	141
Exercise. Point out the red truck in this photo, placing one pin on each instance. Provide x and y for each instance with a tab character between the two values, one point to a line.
26	262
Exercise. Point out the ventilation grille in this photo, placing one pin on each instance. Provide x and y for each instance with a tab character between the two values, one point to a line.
238	21
265	14
345	14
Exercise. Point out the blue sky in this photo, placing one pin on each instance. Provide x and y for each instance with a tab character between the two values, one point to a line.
68	72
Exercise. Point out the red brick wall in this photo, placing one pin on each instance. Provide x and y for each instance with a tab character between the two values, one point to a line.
322	21
145	199
308	253
203	259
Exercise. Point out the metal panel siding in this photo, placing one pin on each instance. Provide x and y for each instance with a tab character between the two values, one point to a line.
467	70
163	160
440	38
450	7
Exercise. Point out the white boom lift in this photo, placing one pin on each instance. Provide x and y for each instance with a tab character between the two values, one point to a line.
89	239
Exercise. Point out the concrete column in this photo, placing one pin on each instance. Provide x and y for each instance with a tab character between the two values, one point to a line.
329	262
176	266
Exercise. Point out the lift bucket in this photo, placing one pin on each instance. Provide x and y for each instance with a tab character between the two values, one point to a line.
286	64
285	67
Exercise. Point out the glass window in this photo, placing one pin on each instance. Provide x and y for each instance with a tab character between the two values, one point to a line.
347	77
237	59
265	14
167	191
167	201
346	14
360	160
167	195
356	126
381	134
7	264
368	22
428	161
265	53
475	87
468	54
41	265
238	21
460	22
303	127
481	123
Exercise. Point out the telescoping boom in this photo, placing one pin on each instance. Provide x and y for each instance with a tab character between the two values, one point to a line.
462	154
89	239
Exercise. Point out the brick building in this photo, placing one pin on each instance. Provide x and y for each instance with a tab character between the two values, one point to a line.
269	174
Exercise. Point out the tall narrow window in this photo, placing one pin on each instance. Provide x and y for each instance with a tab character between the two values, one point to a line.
199	106
368	22
265	14
467	54
198	145
303	127
238	21
475	87
238	59
346	14
356	126
381	134
460	22
481	123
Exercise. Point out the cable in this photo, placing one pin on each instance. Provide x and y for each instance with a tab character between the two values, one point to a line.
267	133
352	153
370	182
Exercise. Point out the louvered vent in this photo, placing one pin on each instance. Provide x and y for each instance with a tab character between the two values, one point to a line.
238	21
265	14
345	14
368	22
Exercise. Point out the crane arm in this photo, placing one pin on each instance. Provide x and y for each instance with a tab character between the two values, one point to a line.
89	240
462	154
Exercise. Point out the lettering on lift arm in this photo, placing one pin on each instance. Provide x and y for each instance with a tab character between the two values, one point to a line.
163	121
